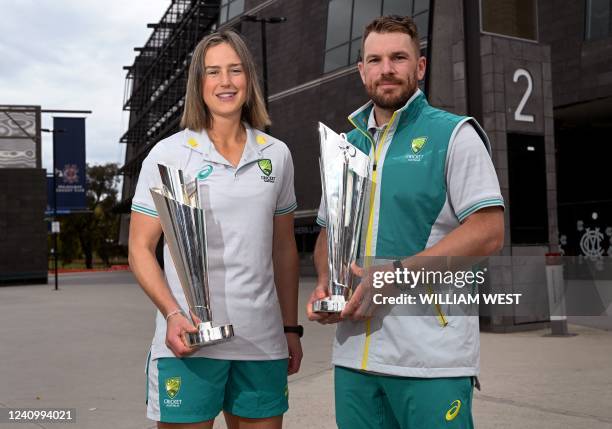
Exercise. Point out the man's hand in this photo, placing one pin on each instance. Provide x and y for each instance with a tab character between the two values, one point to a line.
176	329
361	306
295	352
319	292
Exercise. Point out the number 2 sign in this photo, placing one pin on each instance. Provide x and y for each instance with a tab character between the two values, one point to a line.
518	113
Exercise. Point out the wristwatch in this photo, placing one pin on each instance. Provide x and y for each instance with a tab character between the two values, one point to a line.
299	329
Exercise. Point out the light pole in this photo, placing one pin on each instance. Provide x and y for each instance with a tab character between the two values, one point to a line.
264	51
53	132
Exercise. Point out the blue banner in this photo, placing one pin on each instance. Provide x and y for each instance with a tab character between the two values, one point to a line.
69	165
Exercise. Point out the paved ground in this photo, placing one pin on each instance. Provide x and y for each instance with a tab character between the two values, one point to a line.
84	347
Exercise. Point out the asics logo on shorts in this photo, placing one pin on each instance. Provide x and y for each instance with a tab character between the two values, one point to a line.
453	410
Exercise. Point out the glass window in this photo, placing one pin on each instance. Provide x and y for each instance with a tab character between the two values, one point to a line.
336	58
363	12
420	6
338	23
397	7
230	9
223	14
236	7
422	23
355	51
346	20
516	18
598	19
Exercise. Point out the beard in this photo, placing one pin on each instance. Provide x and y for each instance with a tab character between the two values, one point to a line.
396	99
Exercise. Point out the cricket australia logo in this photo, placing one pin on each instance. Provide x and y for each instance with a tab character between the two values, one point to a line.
265	165
173	386
416	146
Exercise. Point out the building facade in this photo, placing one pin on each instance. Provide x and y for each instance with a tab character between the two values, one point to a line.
23	196
535	75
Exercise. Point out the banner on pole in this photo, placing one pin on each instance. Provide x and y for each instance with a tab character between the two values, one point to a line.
69	166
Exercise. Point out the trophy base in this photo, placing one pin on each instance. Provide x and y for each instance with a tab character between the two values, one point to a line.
209	334
329	305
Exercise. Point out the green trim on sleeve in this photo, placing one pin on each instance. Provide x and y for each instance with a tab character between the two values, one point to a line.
479	205
144	210
286	210
321	222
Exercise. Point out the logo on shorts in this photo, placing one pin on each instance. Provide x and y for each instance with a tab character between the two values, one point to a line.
286	391
453	411
265	165
205	172
173	385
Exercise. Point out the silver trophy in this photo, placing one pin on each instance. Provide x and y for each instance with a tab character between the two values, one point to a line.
183	222
344	178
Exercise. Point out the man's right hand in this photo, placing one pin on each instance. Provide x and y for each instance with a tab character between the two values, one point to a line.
320	291
176	329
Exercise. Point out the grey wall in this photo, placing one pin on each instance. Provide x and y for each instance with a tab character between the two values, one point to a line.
23	231
581	70
447	87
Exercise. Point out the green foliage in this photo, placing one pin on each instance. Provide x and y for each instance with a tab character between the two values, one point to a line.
97	230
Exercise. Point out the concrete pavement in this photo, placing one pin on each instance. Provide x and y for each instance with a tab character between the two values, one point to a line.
85	345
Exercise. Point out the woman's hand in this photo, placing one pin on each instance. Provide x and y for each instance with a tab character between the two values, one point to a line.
177	328
295	352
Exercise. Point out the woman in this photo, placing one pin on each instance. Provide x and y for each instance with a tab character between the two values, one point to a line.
246	188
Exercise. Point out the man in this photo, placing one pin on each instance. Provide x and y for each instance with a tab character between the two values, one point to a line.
434	194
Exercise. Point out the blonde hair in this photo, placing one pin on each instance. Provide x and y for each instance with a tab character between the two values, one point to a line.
196	115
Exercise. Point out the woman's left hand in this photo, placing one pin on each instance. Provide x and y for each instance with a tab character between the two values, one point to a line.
295	352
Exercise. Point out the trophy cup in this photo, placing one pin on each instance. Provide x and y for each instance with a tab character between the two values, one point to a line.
183	222
344	178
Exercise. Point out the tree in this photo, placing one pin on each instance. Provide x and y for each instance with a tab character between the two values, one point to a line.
97	229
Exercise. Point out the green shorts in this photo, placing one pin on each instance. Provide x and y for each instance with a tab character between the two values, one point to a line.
366	400
194	390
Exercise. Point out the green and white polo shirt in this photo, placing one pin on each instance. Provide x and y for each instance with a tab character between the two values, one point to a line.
430	170
240	204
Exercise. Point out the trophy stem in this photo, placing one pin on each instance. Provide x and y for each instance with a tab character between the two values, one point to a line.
202	313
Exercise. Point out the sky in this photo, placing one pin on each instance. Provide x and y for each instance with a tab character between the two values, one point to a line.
69	54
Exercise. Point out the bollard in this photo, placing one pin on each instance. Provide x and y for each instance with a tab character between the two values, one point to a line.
556	296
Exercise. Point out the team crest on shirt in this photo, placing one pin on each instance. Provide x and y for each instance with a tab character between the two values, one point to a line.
417	145
173	386
265	165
